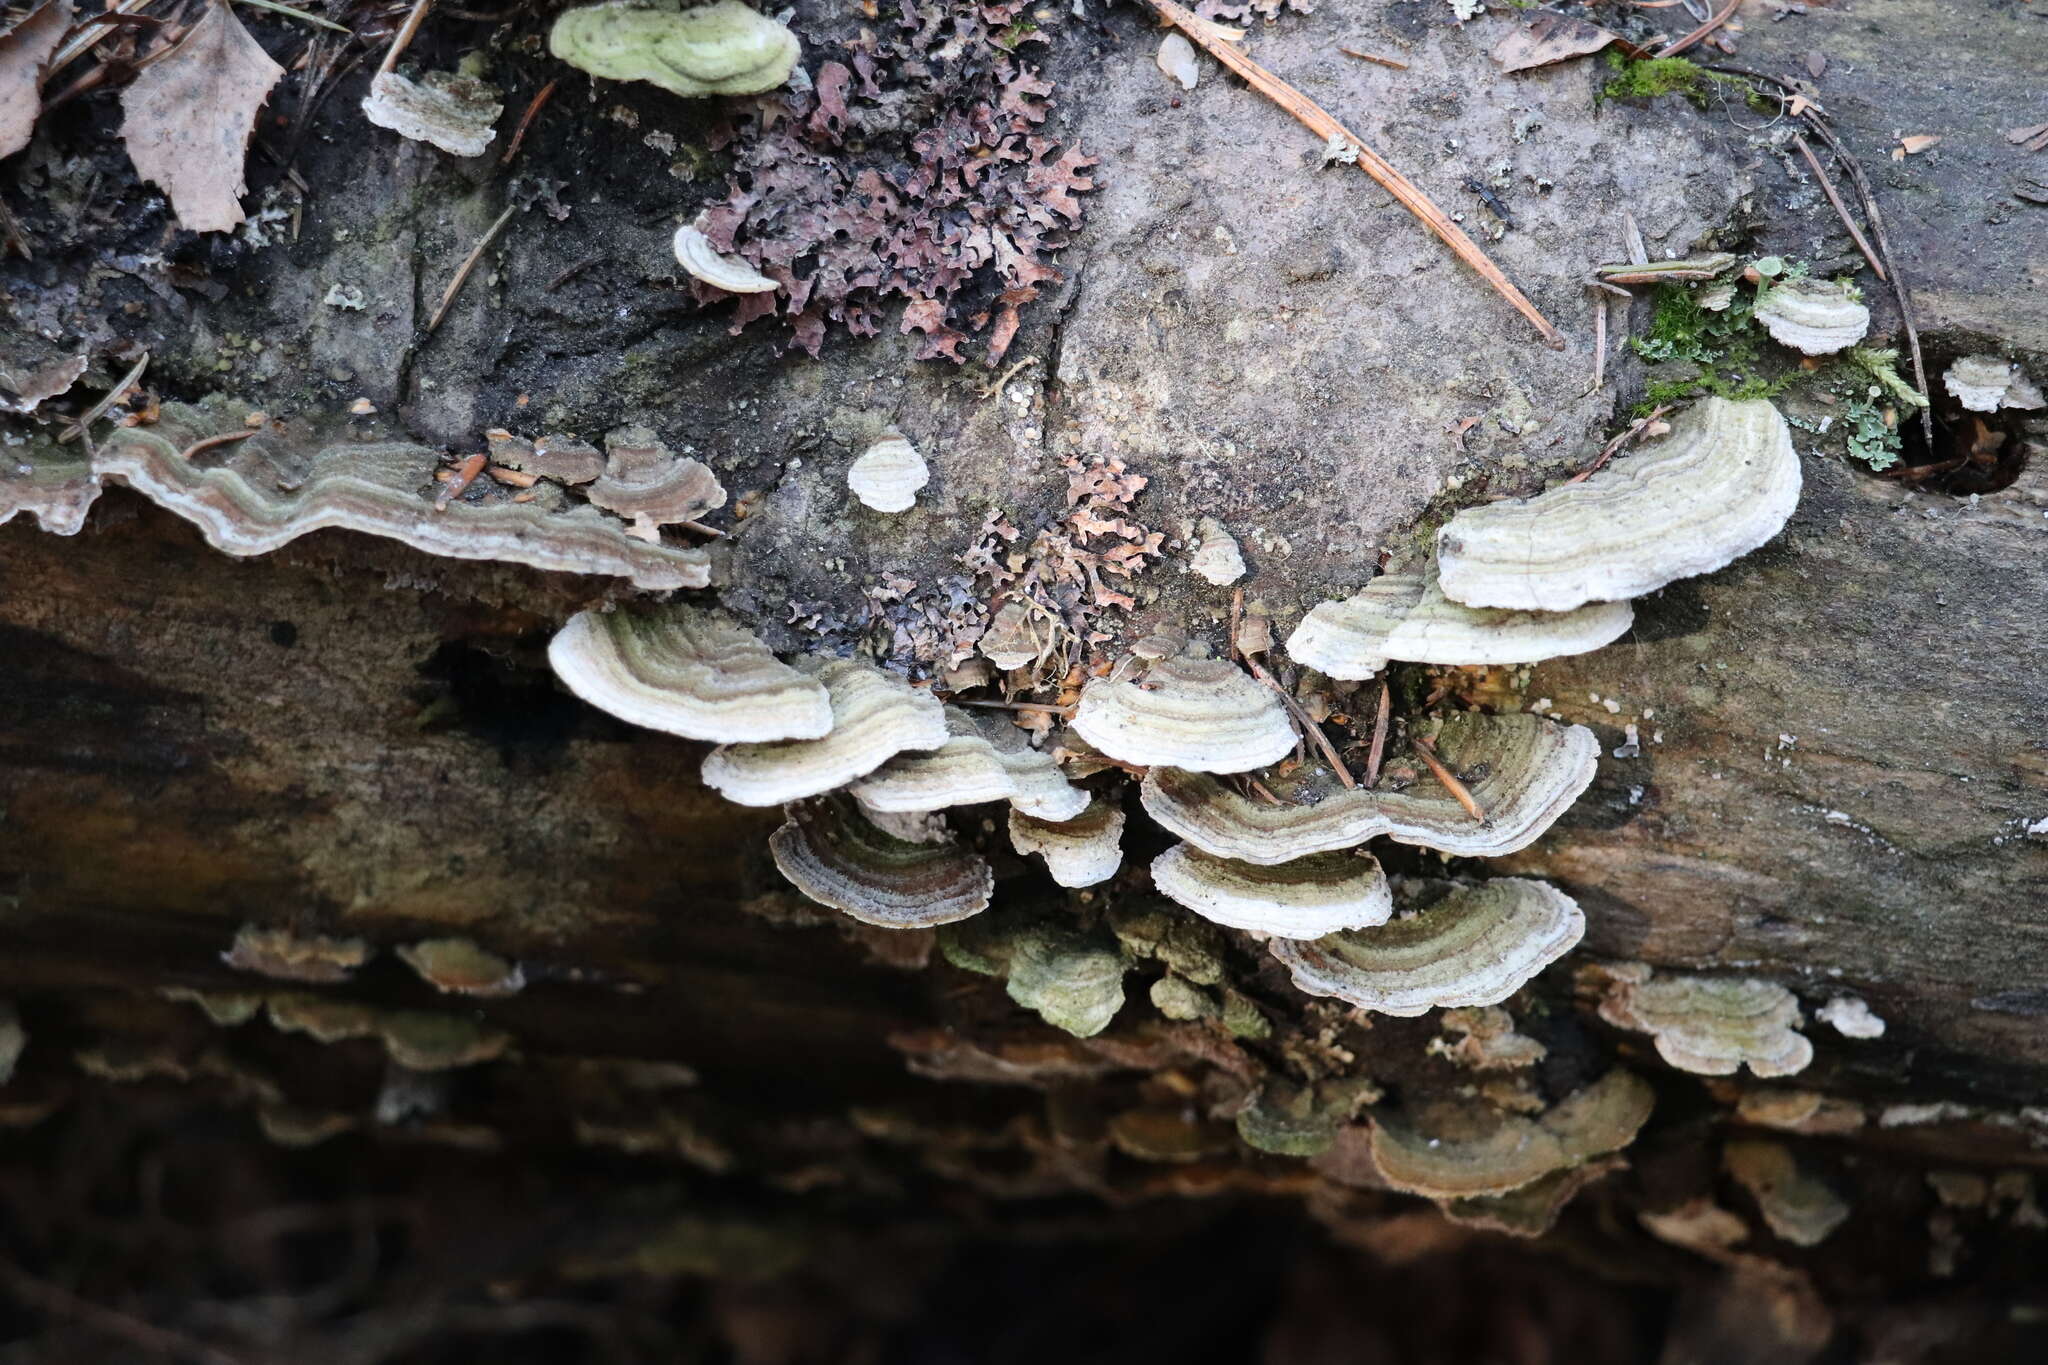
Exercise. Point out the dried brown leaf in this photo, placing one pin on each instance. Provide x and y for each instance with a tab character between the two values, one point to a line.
1915	143
1549	37
24	53
187	118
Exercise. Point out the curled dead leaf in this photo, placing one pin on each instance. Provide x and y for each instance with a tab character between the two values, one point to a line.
25	52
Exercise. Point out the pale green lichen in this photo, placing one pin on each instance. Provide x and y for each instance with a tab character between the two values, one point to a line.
718	49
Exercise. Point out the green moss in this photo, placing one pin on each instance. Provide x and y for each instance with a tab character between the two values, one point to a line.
1653	76
1883	366
1680	329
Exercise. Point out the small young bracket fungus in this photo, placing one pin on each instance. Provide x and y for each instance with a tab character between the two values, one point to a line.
718	49
874	718
454	113
695	254
1601	1118
1528	772
1205	715
1406	616
1307	898
839	858
1796	1204
562	459
1217	558
1487	1041
981	760
1533	1210
459	967
1850	1017
49	483
647	483
1079	852
1722	483
1477	946
1818	317
291	957
889	474
1075	981
1710	1025
1986	383
687	672
265	494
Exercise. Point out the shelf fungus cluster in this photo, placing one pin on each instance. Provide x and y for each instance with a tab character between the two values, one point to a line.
724	48
1986	383
1710	1025
833	852
1186	711
1816	317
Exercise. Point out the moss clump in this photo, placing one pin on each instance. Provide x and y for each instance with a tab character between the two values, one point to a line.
1681	329
1649	77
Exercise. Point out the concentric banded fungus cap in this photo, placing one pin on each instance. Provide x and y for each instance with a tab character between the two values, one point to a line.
695	254
1078	852
294	957
1710	1025
874	718
1205	715
1307	898
647	483
1603	1117
838	857
267	492
981	760
889	473
687	672
50	483
1986	383
1798	1205
1722	483
1524	771
1477	946
1818	317
1406	616
718	49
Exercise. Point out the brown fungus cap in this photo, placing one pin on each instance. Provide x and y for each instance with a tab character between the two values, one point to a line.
831	851
1306	898
1601	1118
270	489
294	957
874	718
1710	1025
1798	1206
687	672
651	486
1722	483
461	967
1477	946
1406	616
1206	715
1523	770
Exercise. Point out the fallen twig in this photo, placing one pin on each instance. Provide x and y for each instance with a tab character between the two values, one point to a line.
469	264
1318	121
1376	61
526	121
226	438
558	281
459	479
404	36
1307	725
1628	434
1002	382
1678	45
1378	752
275	7
82	427
1427	753
1828	188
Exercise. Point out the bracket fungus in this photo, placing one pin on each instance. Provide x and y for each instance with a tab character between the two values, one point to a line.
981	760
1302	1120
1796	1204
687	672
1073	980
1526	771
1817	317
1406	616
888	474
874	718
1217	559
724	48
458	966
454	113
1303	899
651	486
295	957
834	854
1986	383
266	494
50	484
1602	1117
1724	481
695	254
1709	1025
1201	714
561	459
1478	945
1078	852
